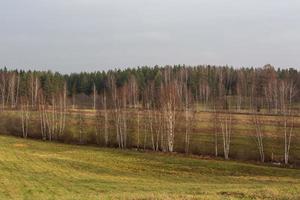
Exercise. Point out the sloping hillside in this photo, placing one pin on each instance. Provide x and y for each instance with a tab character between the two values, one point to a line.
40	170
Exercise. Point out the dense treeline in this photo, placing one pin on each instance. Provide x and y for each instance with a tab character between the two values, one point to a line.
155	107
206	84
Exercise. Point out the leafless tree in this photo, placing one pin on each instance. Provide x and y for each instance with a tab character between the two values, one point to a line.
81	123
25	116
42	114
3	85
188	114
34	86
98	119
287	92
119	99
138	128
215	120
133	92
62	109
106	136
241	88
226	125
169	95
157	132
124	119
13	88
170	119
52	115
94	96
258	123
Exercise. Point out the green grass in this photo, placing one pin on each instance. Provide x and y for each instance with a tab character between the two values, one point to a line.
42	170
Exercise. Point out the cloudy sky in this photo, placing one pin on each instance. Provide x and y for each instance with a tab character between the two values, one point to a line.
88	35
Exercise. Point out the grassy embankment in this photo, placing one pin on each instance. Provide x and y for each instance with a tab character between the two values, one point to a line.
42	170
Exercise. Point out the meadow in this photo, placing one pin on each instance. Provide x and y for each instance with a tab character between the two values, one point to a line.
31	169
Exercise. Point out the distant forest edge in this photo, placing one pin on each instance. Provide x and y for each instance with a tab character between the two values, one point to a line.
158	108
204	84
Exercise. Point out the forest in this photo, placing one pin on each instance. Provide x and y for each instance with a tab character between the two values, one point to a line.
221	111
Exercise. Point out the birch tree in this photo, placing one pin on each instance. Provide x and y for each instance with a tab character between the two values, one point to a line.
258	123
98	118
287	93
42	114
81	123
215	120
3	85
62	109
94	96
25	115
169	95
226	125
106	136
34	86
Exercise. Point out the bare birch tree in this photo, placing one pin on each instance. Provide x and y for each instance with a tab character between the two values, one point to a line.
81	123
106	136
3	86
226	125
169	95
52	117
25	115
287	92
62	109
34	86
42	114
98	119
94	96
258	123
215	119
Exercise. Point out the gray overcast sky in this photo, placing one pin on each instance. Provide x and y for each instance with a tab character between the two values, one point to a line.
77	35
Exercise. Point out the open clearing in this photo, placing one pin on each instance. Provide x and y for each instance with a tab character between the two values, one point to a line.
42	170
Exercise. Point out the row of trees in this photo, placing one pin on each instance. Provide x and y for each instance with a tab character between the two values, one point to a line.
163	97
206	85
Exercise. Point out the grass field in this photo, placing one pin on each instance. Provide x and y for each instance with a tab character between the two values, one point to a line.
41	170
